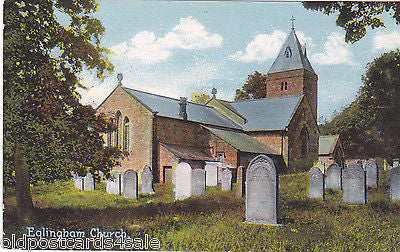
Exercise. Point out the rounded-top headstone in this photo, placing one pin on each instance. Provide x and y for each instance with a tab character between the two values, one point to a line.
146	186
130	184
88	182
371	169
226	180
261	192
182	181
354	191
316	183
333	177
394	183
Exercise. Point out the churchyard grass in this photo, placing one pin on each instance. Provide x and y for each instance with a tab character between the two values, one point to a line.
215	222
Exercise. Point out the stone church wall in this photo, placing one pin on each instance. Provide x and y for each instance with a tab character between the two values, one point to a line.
302	117
220	146
140	129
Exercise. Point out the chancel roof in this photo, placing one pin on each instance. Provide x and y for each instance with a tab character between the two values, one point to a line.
291	56
267	114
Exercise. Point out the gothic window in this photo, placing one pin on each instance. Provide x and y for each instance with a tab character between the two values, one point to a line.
304	140
118	124
288	52
284	85
125	143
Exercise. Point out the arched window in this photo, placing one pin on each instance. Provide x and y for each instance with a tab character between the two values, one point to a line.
288	52
125	143
284	85
304	140
118	125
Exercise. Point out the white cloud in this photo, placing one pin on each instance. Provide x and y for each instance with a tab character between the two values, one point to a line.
387	41
267	46
336	51
262	47
188	34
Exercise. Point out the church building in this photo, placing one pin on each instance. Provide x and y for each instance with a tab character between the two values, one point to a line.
161	132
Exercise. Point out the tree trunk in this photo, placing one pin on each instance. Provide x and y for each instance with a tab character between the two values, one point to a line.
23	192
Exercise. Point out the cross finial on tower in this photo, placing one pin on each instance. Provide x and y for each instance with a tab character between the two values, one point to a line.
292	19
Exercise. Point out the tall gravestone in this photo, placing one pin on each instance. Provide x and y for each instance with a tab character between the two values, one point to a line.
130	184
88	182
211	174
394	183
261	192
316	183
114	185
240	182
182	181
354	191
226	180
198	182
372	173
333	177
146	186
78	182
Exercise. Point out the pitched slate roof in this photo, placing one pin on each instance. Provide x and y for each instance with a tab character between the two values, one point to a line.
188	153
297	59
242	142
327	144
267	114
169	107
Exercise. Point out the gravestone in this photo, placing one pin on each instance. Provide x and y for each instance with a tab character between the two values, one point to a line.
198	182
146	186
394	183
333	177
88	182
114	185
130	184
240	182
182	181
372	172
211	174
78	182
316	183
354	191
261	192
226	180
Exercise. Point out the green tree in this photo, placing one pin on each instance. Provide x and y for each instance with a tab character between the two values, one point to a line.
355	17
254	88
42	114
369	125
200	97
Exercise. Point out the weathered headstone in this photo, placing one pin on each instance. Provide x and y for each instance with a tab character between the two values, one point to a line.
354	191
240	182
226	180
198	182
394	183
114	185
88	182
261	192
78	182
333	177
372	174
146	186
211	174
182	181
130	184
316	183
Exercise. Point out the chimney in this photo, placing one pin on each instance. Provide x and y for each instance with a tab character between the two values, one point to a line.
214	93
182	108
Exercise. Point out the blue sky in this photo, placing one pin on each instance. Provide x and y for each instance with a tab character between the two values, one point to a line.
177	48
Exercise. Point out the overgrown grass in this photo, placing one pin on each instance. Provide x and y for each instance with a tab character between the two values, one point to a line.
215	222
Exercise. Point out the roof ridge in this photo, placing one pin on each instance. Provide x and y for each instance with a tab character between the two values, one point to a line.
171	98
272	98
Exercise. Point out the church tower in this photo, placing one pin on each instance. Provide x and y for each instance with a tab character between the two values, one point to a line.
291	74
